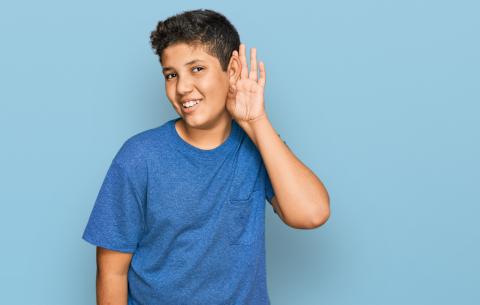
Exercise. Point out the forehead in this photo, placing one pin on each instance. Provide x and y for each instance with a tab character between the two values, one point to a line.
181	54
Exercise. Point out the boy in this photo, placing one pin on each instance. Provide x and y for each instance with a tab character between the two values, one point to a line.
179	218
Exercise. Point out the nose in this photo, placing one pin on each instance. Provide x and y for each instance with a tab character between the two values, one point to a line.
184	85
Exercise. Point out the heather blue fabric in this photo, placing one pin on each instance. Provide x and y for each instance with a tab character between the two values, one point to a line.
193	218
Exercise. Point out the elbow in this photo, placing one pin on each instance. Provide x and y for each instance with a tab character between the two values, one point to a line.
321	211
311	222
320	217
314	218
320	221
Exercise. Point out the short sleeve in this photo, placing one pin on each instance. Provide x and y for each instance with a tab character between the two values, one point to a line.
116	220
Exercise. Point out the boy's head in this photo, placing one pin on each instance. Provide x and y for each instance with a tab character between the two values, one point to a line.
206	36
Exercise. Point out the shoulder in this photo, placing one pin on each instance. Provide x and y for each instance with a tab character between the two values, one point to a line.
138	148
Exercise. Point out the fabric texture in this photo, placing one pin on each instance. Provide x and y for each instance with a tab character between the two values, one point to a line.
193	219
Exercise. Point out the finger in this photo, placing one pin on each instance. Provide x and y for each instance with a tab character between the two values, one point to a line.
243	61
253	64
263	75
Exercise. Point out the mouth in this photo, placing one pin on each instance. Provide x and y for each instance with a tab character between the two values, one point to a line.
190	106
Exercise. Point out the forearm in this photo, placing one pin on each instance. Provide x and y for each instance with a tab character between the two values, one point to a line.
112	289
300	194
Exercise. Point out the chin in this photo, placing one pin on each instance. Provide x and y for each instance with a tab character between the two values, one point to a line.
195	121
202	121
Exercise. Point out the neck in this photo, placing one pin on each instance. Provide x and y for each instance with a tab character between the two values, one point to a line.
205	137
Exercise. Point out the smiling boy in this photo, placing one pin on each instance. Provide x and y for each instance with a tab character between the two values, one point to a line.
179	218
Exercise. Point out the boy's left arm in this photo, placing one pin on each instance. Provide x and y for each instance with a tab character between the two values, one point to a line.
300	198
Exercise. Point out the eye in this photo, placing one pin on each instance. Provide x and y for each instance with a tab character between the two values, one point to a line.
168	75
198	67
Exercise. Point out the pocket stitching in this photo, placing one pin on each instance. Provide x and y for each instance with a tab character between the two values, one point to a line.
239	204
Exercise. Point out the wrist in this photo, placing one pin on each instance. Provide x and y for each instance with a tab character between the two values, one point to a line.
253	127
258	121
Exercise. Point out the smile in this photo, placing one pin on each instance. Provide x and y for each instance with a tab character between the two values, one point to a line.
190	106
190	103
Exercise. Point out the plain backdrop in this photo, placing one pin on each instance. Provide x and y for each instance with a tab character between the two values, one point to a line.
379	98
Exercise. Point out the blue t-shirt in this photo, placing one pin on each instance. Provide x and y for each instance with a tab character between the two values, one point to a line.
194	219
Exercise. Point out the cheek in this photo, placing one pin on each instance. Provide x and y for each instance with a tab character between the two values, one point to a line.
170	92
215	88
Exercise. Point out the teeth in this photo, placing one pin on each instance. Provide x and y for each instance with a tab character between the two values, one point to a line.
190	103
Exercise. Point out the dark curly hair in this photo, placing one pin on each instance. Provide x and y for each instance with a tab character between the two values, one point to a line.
202	27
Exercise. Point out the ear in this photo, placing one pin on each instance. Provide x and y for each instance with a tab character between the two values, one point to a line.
234	68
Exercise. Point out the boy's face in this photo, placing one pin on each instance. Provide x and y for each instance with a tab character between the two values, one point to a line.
191	73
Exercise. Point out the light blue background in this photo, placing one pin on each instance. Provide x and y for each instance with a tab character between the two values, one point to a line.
379	98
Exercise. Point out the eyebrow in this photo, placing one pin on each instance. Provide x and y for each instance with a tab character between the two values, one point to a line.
188	63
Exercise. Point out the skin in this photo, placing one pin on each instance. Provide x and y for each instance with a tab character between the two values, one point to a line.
112	277
209	125
301	200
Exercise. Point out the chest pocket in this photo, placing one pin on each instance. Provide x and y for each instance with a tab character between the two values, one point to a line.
244	217
245	195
